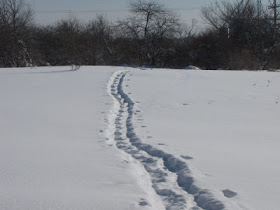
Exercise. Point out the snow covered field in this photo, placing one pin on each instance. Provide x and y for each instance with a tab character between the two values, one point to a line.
121	138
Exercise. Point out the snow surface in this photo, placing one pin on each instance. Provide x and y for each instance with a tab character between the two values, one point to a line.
120	138
53	153
225	125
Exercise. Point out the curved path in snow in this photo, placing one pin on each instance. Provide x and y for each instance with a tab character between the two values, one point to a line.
171	178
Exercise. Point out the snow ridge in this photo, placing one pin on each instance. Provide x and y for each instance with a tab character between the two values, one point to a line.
171	177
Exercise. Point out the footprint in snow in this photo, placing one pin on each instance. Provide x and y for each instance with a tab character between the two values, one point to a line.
211	102
195	208
143	202
186	157
229	193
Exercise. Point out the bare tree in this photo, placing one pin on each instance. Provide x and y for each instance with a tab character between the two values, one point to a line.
151	25
98	36
15	22
245	29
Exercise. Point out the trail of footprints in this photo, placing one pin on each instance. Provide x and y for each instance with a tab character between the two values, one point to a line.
170	176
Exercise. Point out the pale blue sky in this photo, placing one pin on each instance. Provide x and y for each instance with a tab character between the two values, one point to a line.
50	11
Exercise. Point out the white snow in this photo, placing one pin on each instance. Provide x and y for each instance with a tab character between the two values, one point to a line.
52	153
120	138
224	125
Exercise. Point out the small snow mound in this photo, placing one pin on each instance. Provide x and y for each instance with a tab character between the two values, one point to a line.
192	68
273	70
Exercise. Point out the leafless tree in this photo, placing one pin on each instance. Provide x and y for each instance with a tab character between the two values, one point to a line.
247	31
15	21
98	34
151	25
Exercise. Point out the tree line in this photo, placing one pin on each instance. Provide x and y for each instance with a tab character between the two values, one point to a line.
238	36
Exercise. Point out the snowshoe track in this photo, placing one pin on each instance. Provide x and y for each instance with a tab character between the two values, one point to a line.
171	177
